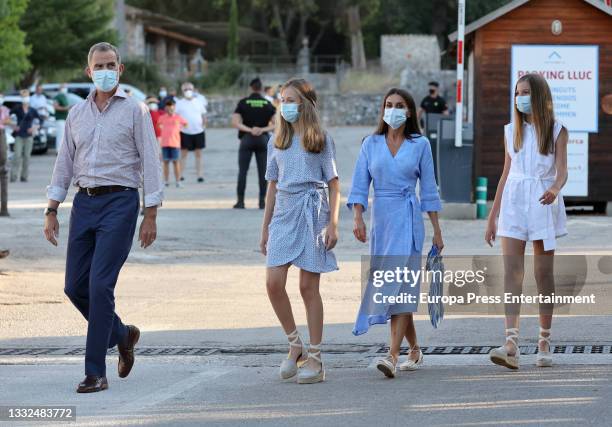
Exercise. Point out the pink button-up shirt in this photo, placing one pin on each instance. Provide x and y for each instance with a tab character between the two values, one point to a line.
115	146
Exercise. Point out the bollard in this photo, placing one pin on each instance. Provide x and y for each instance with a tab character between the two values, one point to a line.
481	197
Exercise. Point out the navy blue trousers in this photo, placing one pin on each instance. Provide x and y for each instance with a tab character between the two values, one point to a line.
99	241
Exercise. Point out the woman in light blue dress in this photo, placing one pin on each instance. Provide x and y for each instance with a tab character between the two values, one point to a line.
394	159
300	225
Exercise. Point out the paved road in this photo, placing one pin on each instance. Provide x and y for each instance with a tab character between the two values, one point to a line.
201	286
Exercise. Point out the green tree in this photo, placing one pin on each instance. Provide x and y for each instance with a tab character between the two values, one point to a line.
13	50
62	31
232	42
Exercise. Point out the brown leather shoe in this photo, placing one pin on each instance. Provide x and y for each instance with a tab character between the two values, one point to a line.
126	351
92	384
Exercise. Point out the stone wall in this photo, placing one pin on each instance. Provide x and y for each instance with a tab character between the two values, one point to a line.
415	82
414	51
345	109
336	110
135	39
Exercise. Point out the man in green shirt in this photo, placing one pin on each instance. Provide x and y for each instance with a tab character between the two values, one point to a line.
61	106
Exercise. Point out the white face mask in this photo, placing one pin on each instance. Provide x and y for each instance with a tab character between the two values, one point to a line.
153	106
394	117
25	100
188	93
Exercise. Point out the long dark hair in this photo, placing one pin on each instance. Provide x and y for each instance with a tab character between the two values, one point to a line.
412	124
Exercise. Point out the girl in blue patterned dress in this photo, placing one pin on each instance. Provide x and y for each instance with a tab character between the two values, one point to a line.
393	160
300	226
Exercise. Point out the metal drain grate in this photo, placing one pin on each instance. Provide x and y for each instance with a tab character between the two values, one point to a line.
525	349
80	351
332	349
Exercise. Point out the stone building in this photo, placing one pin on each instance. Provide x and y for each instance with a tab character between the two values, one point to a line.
176	47
179	48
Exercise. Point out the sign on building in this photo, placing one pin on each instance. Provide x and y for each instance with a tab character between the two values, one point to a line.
577	165
572	74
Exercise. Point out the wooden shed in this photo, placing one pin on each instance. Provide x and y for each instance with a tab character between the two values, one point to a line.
489	45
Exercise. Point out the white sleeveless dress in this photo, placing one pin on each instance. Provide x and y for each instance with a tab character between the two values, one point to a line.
522	216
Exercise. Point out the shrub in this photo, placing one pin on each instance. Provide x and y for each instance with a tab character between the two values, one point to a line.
142	75
223	74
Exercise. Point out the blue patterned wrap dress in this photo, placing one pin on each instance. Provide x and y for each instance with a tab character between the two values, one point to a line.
296	233
397	229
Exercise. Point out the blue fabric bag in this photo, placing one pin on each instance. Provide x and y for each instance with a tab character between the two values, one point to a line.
436	287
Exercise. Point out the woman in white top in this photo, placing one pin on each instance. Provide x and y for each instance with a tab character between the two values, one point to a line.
529	207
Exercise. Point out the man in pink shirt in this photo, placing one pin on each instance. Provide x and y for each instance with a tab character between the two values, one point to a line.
170	125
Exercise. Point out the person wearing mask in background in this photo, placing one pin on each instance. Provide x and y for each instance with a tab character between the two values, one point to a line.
269	94
433	103
163	97
61	105
39	102
163	92
28	122
170	125
193	137
253	118
5	121
109	150
153	105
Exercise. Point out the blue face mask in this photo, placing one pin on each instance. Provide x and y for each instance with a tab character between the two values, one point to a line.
523	103
394	117
290	112
105	80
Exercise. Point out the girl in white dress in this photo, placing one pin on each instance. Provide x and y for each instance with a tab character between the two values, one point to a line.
529	207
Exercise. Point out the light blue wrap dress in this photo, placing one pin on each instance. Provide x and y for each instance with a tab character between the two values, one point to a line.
296	233
397	229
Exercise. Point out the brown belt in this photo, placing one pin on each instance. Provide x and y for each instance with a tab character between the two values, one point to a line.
98	191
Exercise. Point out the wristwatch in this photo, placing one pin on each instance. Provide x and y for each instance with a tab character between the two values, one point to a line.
50	210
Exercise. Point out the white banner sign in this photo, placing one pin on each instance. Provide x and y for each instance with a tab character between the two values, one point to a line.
577	165
572	74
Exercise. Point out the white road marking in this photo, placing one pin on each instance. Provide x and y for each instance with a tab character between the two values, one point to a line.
166	393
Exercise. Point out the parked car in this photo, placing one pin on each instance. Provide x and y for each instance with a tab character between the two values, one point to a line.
49	123
46	133
83	89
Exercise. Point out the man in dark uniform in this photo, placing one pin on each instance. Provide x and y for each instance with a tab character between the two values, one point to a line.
254	118
433	103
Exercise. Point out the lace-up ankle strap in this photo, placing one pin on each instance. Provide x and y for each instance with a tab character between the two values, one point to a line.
295	340
314	351
512	334
545	338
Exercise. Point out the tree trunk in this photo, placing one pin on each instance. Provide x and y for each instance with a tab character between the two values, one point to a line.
441	21
29	79
301	34
358	58
281	29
